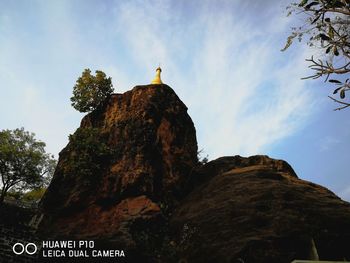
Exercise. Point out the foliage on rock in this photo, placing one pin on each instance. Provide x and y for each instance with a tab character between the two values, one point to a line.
90	91
89	152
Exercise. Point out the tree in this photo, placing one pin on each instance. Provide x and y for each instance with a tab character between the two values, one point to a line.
89	91
34	195
327	25
24	164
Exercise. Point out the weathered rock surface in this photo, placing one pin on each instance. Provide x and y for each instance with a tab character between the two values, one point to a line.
151	197
256	210
154	148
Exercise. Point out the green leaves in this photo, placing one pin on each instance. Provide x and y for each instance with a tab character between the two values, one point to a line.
311	5
88	152
342	94
90	91
23	160
342	89
303	2
324	37
289	41
335	51
335	81
338	4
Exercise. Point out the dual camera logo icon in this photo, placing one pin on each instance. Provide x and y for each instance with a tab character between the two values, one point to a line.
29	248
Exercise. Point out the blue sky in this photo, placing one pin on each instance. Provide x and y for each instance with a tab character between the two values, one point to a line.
221	57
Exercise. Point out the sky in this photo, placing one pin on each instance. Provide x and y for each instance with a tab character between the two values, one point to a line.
221	57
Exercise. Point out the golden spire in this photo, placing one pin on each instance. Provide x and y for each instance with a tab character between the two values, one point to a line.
157	79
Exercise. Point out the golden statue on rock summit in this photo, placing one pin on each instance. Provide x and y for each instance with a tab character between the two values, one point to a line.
157	79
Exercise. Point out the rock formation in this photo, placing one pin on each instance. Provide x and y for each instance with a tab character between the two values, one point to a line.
136	184
257	210
153	148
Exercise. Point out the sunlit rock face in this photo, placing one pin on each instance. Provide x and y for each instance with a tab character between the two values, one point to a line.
151	197
154	148
256	210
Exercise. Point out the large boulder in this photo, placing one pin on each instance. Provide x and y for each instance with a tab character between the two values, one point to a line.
152	149
256	210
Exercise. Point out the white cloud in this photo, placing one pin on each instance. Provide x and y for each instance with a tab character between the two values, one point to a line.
222	59
242	92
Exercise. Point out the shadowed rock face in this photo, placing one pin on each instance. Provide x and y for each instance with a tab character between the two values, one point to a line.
151	197
154	147
255	210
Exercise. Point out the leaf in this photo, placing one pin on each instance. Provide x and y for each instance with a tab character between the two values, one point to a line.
342	94
289	41
334	81
303	2
335	51
311	4
338	4
336	90
331	32
324	37
313	22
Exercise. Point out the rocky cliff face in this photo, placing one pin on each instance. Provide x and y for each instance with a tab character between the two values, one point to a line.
152	148
137	184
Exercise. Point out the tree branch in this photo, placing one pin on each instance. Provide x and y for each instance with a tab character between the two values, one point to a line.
323	10
341	102
337	10
326	69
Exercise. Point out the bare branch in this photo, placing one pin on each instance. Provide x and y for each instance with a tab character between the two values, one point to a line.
340	102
